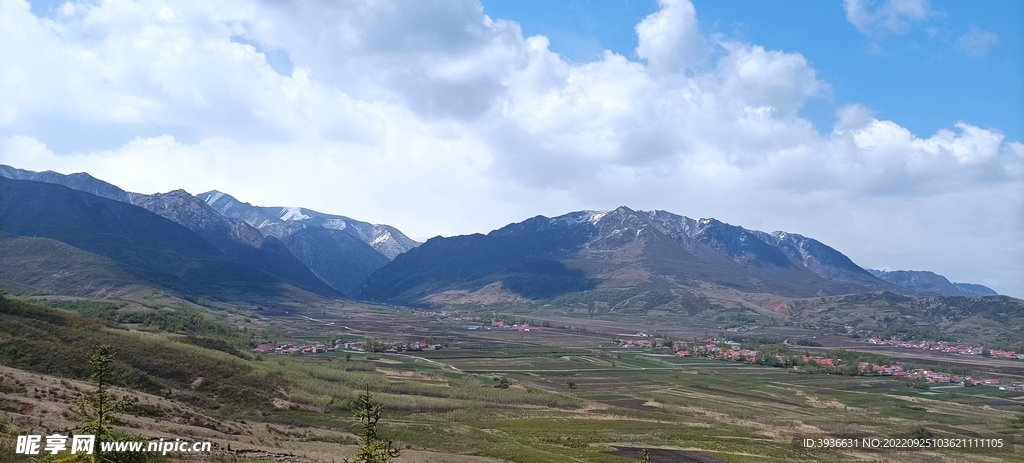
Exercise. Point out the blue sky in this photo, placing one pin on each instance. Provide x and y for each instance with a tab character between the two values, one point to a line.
888	129
917	78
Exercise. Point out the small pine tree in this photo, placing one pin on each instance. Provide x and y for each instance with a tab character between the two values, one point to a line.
98	410
374	449
645	456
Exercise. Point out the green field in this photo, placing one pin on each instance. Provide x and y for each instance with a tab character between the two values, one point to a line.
561	403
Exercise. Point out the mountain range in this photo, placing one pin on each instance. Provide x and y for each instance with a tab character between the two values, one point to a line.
328	256
648	259
543	258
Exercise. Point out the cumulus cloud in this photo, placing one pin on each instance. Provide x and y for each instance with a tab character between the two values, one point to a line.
438	119
670	39
976	42
878	18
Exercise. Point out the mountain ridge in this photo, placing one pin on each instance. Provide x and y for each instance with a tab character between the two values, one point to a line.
339	250
659	244
156	248
926	283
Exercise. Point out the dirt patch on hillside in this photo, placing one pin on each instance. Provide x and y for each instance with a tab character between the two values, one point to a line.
43	404
666	455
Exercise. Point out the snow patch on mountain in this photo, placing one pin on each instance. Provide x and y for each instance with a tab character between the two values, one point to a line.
293	213
383	237
596	216
213	197
335	224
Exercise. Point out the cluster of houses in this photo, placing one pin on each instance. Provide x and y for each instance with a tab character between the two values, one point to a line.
387	347
940	377
736	329
289	349
882	370
501	325
636	343
736	354
441	314
821	361
931	376
731	352
947	347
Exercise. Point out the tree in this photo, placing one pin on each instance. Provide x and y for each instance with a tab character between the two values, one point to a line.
571	383
99	409
645	456
374	449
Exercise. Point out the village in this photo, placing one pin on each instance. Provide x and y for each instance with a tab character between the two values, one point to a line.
948	347
360	345
733	352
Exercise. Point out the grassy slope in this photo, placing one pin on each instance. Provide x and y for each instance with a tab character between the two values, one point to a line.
32	265
48	266
55	342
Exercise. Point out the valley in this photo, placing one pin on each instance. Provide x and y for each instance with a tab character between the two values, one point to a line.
584	337
571	394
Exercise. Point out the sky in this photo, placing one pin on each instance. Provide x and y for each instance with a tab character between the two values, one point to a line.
890	130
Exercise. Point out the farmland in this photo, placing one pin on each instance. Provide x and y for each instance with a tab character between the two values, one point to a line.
563	393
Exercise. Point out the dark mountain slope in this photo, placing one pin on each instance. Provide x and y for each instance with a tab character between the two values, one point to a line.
129	235
824	261
235	238
975	289
543	258
329	253
526	256
920	282
79	181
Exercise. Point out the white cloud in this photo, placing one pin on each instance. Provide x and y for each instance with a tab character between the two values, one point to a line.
440	120
976	42
878	18
670	39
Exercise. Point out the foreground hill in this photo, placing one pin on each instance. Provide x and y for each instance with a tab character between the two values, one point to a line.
543	258
144	244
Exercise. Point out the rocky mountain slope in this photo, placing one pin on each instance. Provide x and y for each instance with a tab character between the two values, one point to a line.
340	250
